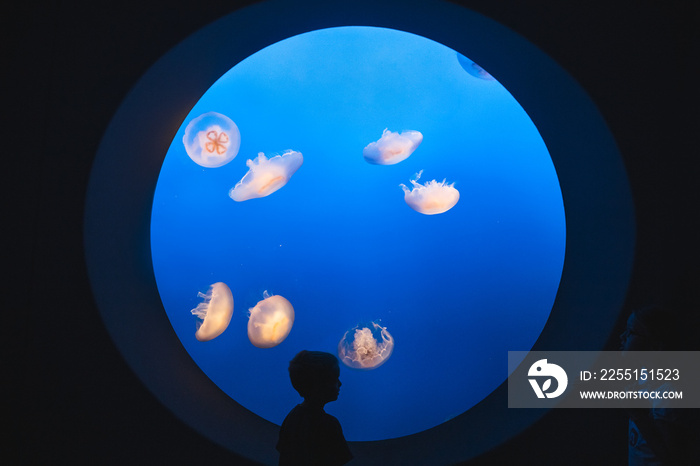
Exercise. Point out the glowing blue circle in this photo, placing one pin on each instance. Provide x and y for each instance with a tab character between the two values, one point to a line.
455	290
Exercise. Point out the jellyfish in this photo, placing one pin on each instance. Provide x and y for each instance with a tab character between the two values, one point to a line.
392	148
270	321
212	140
265	176
214	313
366	346
473	69
430	198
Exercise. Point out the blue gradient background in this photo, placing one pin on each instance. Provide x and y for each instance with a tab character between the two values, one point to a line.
456	290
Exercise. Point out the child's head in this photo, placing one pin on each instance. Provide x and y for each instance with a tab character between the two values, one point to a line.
314	374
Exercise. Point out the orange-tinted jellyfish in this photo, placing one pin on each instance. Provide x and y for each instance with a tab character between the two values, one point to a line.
392	148
265	176
430	198
365	346
214	313
270	321
212	140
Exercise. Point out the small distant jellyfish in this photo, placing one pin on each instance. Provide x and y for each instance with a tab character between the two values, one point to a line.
270	321
212	140
430	198
366	346
473	69
265	176
214	313
392	148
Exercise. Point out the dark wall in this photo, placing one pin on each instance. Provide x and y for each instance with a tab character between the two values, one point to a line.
67	67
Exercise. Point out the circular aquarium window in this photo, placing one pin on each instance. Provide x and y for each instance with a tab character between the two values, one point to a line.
392	193
383	180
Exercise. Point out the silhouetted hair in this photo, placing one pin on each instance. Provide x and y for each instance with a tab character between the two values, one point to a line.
308	367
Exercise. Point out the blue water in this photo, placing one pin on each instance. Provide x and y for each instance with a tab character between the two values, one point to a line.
455	290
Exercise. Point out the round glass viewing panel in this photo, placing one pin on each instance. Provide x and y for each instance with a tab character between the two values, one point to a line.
334	236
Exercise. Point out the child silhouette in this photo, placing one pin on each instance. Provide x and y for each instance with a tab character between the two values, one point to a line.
309	436
658	435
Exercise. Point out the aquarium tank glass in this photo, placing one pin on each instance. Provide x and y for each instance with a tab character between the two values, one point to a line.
366	192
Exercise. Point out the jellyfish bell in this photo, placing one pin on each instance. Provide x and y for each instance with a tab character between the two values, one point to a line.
214	312
474	69
265	176
392	148
365	346
212	140
270	321
430	198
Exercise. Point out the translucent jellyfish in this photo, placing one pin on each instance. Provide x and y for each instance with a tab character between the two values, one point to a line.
366	346
265	176
212	140
270	321
214	313
474	69
392	148
430	198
